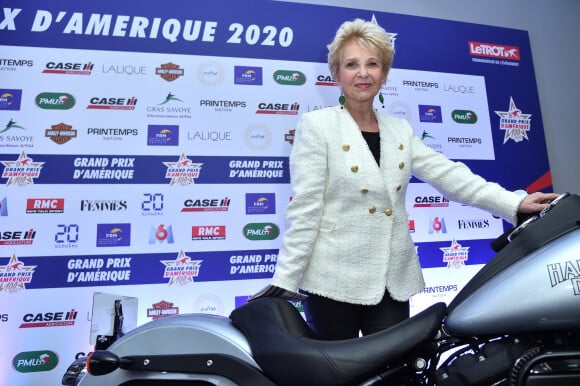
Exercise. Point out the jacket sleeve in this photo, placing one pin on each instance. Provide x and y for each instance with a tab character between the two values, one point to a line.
458	183
308	175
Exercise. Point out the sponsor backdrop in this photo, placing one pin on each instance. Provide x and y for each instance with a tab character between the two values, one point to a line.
144	155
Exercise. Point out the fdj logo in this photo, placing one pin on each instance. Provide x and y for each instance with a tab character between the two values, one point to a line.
161	234
35	361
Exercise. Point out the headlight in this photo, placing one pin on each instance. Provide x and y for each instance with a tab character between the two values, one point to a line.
75	372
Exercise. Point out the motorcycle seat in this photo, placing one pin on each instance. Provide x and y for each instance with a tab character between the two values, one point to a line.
289	352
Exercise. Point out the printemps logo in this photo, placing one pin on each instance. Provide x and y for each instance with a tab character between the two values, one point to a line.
261	231
35	361
55	101
464	116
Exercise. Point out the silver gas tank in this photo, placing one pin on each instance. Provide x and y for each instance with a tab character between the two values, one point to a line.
540	292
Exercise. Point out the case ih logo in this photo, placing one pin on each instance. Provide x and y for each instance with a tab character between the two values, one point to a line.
45	205
494	51
68	68
206	205
60	133
17	237
49	319
430	202
169	71
98	103
208	232
325	80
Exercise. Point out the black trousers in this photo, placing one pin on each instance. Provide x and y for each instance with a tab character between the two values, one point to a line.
334	320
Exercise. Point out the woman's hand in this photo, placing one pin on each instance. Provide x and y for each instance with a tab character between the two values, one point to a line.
536	202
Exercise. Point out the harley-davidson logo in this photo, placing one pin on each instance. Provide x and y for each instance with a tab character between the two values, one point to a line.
162	310
169	71
60	133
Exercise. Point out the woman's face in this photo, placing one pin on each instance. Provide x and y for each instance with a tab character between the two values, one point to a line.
360	74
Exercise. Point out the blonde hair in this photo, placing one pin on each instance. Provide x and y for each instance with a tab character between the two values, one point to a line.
365	33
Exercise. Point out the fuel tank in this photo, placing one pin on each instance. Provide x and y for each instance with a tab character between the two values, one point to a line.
539	292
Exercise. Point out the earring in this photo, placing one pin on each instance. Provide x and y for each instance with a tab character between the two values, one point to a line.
341	99
382	99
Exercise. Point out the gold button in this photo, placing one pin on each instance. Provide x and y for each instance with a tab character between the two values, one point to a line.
389	212
401	146
346	147
401	165
372	209
364	191
354	168
399	188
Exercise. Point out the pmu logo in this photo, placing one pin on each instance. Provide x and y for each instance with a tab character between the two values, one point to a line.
161	234
208	232
437	225
291	78
113	235
55	101
100	103
261	231
35	361
49	319
45	205
278	108
494	50
10	99
464	116
68	68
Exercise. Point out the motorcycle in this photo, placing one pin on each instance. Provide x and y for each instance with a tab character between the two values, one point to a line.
517	323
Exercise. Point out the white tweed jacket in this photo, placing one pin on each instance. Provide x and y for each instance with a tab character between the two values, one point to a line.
347	234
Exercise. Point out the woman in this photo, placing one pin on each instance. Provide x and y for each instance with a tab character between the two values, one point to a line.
347	245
